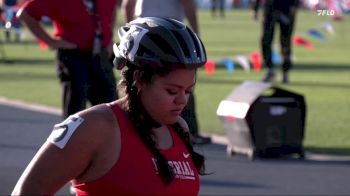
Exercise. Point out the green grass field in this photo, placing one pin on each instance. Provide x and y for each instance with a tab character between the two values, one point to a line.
321	75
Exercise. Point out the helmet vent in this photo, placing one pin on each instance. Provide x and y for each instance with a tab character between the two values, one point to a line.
182	43
162	44
145	52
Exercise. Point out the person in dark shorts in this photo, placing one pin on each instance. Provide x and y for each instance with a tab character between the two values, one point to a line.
282	13
83	33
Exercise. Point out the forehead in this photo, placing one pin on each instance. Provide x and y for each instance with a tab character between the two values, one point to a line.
179	76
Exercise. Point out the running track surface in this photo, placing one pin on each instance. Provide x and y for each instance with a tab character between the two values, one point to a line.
24	130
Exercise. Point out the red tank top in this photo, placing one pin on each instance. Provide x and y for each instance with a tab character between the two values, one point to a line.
135	172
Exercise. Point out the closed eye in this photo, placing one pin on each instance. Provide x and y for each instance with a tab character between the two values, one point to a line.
171	92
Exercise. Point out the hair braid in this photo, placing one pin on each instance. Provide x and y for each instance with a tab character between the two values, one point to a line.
197	158
144	124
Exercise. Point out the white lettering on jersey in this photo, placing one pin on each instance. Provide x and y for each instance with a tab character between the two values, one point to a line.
62	132
182	169
177	168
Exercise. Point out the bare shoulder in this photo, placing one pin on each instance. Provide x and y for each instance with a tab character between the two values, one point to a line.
73	145
90	126
99	121
99	116
89	138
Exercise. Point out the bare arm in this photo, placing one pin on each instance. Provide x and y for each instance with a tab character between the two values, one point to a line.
52	167
35	27
113	26
49	170
128	9
191	14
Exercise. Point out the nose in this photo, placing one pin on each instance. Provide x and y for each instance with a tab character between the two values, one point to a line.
181	99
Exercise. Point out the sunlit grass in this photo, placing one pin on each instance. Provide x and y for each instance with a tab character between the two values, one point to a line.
321	75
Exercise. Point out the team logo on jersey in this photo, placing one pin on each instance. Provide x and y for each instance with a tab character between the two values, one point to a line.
62	132
186	155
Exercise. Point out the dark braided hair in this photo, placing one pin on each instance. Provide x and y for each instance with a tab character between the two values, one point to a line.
144	122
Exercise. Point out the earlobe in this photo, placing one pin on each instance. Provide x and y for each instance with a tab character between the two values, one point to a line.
137	81
136	76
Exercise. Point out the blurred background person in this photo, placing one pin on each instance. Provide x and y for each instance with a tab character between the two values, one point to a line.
282	13
218	4
179	10
8	19
83	32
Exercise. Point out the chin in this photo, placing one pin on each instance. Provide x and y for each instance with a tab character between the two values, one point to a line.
170	121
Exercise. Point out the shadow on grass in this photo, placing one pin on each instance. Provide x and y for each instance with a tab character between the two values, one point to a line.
321	84
306	66
322	67
26	61
328	150
21	43
27	77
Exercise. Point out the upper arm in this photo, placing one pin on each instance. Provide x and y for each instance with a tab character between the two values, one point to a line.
25	17
128	9
38	8
191	14
52	167
48	171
